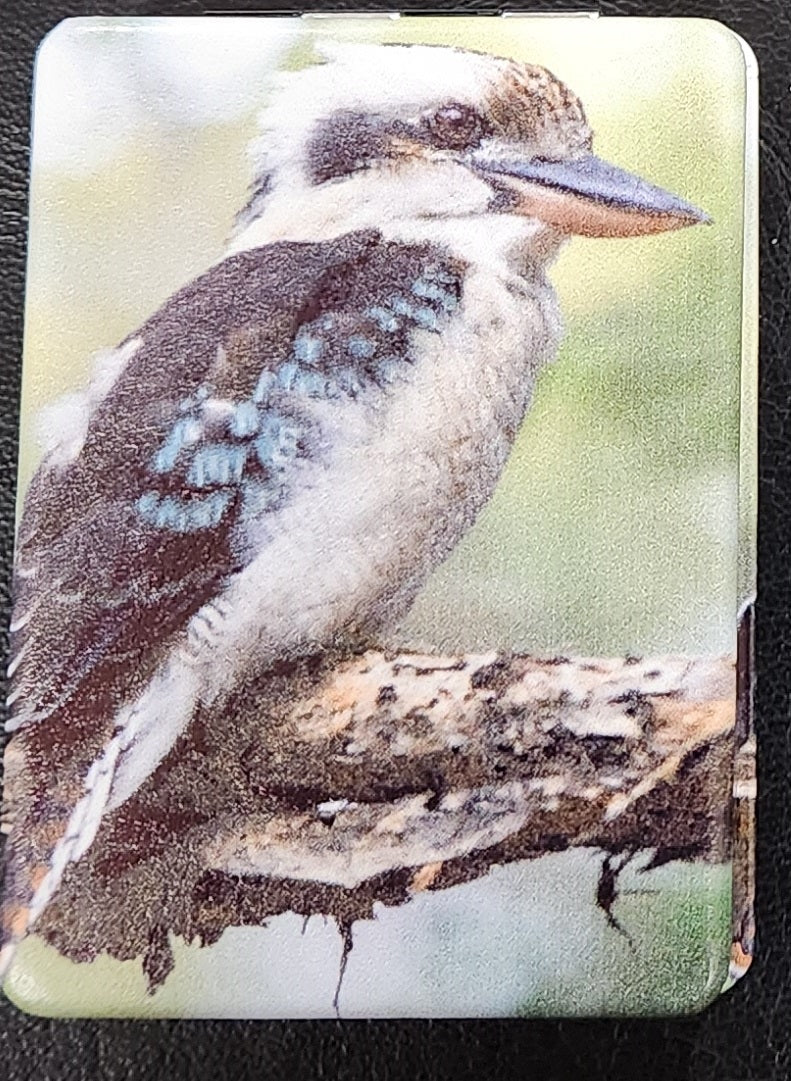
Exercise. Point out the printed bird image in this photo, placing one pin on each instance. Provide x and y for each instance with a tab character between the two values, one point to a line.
273	464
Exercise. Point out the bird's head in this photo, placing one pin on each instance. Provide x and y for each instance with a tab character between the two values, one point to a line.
394	136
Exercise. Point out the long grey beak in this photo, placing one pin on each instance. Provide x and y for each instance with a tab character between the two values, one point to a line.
590	196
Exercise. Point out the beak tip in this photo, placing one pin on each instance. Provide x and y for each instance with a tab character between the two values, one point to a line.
631	205
695	216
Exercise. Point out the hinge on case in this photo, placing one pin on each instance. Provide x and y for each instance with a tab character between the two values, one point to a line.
505	13
519	13
351	14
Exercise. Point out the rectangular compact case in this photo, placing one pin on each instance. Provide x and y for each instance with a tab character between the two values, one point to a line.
381	640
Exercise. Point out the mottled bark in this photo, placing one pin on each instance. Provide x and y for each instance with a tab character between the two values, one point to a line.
350	782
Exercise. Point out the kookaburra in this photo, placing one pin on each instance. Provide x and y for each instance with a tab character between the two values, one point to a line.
274	462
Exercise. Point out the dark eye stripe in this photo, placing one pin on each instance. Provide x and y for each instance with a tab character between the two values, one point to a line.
344	143
348	141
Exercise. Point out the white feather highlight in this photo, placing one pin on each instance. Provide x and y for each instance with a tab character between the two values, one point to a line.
17	624
144	733
63	426
10	699
153	724
15	663
81	828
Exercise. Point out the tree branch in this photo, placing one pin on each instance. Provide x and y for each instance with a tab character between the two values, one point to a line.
350	782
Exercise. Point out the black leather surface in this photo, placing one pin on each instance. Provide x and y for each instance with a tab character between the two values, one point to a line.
745	1035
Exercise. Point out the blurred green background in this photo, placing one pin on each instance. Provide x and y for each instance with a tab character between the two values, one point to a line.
616	524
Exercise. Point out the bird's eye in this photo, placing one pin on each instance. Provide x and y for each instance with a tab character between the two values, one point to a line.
455	127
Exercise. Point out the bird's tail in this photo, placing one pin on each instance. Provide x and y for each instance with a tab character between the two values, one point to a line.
59	796
47	832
